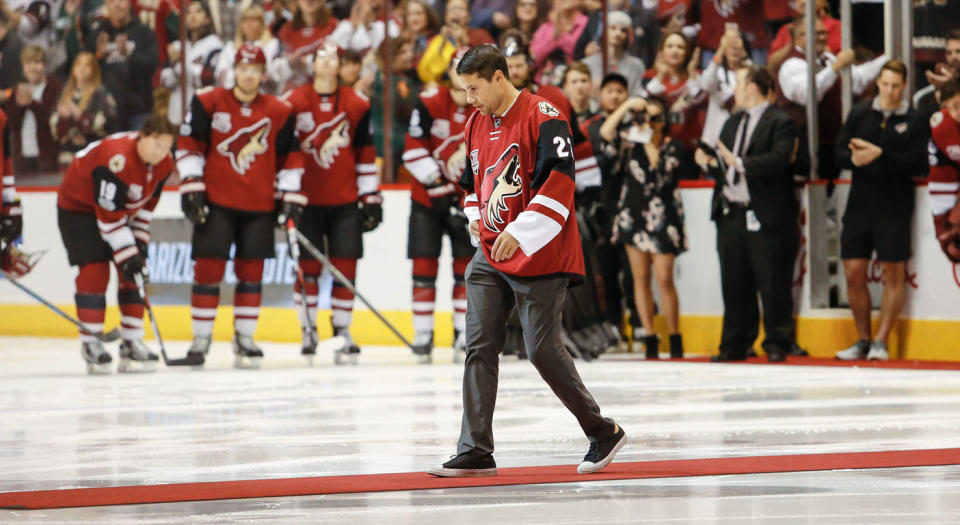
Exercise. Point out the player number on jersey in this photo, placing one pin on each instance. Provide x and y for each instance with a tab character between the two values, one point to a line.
562	145
108	191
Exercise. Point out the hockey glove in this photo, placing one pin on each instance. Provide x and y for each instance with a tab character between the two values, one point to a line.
371	206
193	200
11	222
131	265
948	233
291	207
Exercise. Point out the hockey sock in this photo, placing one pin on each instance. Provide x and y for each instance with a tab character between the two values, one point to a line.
91	285
424	293
207	274
131	311
246	300
341	298
311	277
460	293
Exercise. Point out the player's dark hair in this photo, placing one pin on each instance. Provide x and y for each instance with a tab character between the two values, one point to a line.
949	90
483	61
953	34
158	125
762	77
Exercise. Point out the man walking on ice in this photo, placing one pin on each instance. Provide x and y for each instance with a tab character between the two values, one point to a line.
519	183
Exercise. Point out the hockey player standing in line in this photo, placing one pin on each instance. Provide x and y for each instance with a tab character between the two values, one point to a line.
342	186
435	155
235	148
520	188
104	207
11	214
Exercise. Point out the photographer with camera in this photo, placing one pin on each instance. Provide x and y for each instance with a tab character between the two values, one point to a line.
649	220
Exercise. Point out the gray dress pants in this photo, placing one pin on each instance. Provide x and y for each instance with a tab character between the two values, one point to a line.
539	302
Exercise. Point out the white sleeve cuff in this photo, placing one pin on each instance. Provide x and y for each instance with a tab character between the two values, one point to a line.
533	230
190	164
289	179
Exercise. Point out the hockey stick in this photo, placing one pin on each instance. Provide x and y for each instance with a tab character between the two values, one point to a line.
295	255
110	336
315	253
186	361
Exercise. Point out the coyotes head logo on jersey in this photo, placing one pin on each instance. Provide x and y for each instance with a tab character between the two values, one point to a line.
325	142
505	178
243	146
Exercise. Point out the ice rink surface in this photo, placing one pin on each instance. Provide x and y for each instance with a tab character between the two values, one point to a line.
60	428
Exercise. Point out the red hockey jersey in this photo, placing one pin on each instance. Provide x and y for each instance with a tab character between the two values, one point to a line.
434	152
944	182
520	180
333	132
9	192
585	163
108	179
243	152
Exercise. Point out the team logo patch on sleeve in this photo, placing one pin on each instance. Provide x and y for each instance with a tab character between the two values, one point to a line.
117	162
936	119
221	122
547	109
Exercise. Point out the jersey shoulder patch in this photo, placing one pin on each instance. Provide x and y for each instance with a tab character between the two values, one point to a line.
548	109
936	119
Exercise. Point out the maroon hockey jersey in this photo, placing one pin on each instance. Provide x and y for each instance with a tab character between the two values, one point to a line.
333	132
434	152
585	164
243	152
944	183
9	192
108	179
520	180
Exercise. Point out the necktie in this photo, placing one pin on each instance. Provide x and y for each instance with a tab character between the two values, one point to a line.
741	145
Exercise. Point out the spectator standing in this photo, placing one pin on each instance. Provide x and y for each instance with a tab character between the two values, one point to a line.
674	78
161	16
491	15
755	212
747	15
649	220
33	148
312	22
455	33
783	44
719	81
252	30
926	100
364	30
420	24
793	88
577	87
883	144
618	39
554	42
646	30
527	16
35	21
10	48
202	54
405	89
127	52
85	112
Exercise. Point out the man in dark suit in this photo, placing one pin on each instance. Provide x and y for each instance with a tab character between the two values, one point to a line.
756	215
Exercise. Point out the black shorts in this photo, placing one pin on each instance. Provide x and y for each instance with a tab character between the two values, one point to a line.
251	231
337	231
889	238
425	233
81	237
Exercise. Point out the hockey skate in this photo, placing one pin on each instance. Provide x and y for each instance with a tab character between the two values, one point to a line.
246	353
423	347
309	348
97	358
199	349
135	357
349	353
459	346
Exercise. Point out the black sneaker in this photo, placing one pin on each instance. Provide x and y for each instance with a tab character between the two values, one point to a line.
467	465
601	453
